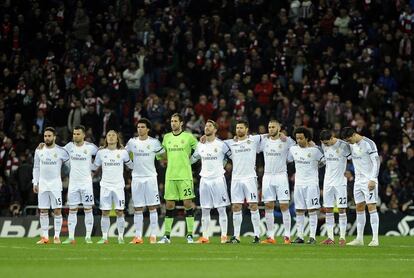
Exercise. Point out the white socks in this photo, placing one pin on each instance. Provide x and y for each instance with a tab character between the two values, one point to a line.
120	223
361	219
154	222
374	219
105	222
330	222
223	220
270	222
343	222
44	224
72	221
287	222
313	223
300	221
88	222
58	225
237	221
138	221
205	221
256	222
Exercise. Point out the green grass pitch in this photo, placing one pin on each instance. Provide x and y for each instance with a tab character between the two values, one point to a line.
23	258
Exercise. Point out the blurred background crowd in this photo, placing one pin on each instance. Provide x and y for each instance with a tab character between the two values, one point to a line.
105	64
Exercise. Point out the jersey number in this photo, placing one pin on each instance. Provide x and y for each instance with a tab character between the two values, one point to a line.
315	202
121	203
187	192
88	198
253	196
370	195
58	201
342	201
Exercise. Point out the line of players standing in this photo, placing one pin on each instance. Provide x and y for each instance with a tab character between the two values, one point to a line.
278	150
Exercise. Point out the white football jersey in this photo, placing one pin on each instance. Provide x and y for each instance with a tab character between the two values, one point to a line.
47	168
112	162
336	157
212	155
275	153
365	168
243	156
306	164
80	163
144	152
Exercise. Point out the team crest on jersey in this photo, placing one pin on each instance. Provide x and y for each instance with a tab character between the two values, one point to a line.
118	156
280	146
309	155
337	151
148	147
215	150
55	155
182	141
85	152
248	141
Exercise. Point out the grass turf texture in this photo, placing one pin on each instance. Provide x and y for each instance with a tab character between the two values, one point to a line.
23	258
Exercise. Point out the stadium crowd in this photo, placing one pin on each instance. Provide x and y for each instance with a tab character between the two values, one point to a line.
319	64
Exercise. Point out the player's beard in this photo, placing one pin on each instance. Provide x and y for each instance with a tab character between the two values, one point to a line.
275	134
48	143
241	134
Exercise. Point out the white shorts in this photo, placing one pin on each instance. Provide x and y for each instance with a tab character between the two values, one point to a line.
335	194
275	187
112	197
82	196
213	192
362	194
145	192
49	199
307	197
244	189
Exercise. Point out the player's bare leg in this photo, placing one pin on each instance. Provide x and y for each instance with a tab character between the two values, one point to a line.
189	219
44	224
237	220
270	223
153	223
138	222
361	219
57	225
300	221
72	221
105	223
374	219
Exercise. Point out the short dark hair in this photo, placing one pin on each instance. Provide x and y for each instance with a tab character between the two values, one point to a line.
243	122
213	123
81	127
274	121
303	130
347	132
179	116
325	134
145	121
51	129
